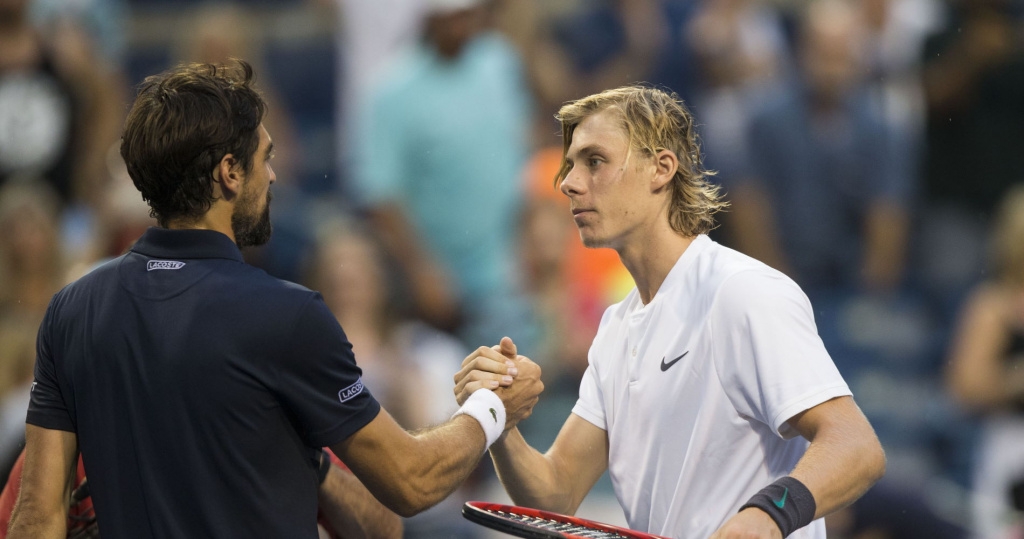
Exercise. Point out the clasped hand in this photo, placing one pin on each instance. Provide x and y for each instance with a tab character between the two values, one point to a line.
514	378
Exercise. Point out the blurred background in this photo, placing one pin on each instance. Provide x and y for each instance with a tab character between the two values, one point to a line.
872	149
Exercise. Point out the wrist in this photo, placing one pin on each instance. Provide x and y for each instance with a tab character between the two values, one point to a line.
788	502
487	408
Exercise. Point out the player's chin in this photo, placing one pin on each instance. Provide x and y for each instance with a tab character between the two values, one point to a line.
591	240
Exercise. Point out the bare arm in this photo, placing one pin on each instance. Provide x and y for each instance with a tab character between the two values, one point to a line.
845	457
98	86
430	284
42	508
555	481
976	375
843	461
559	479
886	230
353	511
950	80
412	472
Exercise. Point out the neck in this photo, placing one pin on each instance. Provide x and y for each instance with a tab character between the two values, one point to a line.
651	262
218	218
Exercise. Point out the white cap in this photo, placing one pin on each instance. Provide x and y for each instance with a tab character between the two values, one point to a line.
440	7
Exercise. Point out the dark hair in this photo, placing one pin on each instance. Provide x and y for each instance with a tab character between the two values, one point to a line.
183	122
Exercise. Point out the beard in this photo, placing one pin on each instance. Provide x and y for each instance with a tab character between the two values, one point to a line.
250	225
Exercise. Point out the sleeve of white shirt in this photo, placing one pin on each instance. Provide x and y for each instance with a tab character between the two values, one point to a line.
590	405
767	351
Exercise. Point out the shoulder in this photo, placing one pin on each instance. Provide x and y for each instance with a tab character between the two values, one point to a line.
495	59
101	275
257	286
738	283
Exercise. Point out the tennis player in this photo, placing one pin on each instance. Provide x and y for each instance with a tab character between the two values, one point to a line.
198	388
709	395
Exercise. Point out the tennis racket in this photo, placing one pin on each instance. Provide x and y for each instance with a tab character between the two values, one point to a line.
537	524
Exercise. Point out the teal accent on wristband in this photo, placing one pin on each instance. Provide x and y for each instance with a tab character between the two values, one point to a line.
788	501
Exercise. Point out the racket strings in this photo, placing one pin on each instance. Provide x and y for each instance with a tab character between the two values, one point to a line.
554	525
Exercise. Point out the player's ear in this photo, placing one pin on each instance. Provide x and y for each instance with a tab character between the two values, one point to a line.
228	173
665	166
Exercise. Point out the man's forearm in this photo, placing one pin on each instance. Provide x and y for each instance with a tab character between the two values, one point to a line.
352	510
411	473
843	461
45	490
530	478
28	523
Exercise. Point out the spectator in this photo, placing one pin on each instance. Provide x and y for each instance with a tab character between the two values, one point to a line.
896	34
592	46
370	37
215	33
31	266
102	20
740	49
59	110
975	129
986	373
826	199
31	271
439	158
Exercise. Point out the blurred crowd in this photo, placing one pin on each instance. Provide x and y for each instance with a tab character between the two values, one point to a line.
871	149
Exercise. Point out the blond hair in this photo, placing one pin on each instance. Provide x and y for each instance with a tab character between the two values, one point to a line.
1008	239
655	120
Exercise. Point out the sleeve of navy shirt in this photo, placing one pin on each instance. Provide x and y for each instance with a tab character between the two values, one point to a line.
319	381
47	407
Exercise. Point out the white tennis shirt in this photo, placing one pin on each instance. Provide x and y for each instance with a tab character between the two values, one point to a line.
695	388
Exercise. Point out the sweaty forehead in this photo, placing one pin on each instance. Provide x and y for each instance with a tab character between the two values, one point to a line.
603	129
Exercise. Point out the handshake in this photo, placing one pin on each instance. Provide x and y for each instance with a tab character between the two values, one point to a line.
513	378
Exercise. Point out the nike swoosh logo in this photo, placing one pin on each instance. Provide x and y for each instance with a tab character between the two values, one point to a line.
782	503
665	366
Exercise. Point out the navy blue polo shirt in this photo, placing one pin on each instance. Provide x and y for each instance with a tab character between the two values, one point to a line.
200	389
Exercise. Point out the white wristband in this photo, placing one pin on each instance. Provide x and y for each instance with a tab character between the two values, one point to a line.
486	407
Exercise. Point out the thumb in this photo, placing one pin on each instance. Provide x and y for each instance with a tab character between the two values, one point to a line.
508	348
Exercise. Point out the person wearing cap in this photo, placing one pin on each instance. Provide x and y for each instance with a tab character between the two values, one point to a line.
437	166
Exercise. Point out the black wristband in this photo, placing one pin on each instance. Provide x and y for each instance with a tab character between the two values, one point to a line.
325	466
788	502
